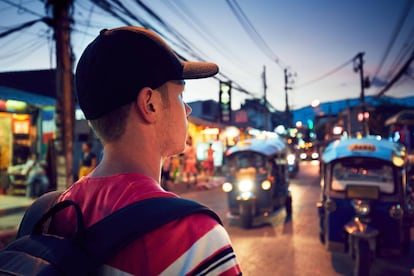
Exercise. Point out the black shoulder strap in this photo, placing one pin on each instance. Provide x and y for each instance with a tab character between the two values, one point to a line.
111	234
38	208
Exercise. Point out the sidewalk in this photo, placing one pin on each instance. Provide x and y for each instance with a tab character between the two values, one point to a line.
202	184
11	212
10	204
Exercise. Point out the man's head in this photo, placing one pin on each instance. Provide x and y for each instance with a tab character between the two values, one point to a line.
120	62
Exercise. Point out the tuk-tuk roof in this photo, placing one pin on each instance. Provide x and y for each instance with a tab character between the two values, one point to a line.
363	147
265	146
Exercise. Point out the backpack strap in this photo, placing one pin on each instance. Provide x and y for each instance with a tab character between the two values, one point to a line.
33	214
108	236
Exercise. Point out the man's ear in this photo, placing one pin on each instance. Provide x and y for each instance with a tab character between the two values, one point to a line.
146	104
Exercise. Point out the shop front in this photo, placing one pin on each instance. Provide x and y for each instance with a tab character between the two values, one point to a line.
25	129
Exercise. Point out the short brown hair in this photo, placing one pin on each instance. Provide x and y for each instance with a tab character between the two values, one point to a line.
111	126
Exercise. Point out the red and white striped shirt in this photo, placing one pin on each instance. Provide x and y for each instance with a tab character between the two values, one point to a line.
194	245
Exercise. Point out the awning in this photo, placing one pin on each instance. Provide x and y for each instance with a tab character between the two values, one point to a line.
8	93
405	117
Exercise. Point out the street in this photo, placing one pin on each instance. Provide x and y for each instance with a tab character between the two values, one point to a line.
292	247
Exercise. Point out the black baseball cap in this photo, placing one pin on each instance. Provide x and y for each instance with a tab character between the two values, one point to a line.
121	61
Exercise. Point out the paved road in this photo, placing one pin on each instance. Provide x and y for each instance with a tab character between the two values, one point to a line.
291	247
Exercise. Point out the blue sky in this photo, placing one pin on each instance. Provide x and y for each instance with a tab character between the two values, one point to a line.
309	37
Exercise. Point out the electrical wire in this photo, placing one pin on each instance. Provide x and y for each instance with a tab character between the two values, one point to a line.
253	33
192	21
333	71
20	7
401	72
20	27
408	46
23	51
397	30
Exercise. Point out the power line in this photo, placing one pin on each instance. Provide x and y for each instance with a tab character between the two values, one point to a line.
22	26
326	74
20	7
397	30
192	21
397	76
253	33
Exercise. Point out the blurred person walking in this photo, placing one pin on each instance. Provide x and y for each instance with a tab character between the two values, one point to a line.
190	162
88	160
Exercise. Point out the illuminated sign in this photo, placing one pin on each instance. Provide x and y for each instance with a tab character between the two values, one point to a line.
225	101
362	147
21	124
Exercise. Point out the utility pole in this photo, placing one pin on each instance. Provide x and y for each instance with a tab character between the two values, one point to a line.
65	104
364	115
288	82
266	111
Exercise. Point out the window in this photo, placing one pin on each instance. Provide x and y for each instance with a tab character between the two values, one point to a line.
363	172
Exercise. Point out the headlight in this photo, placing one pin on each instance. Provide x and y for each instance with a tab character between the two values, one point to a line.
245	185
291	159
362	208
315	155
266	185
303	155
227	187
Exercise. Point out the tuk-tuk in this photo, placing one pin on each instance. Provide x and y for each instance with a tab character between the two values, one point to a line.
257	179
365	208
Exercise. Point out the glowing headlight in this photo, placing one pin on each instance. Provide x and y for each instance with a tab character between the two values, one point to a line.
245	185
303	155
362	208
227	187
315	155
266	185
291	159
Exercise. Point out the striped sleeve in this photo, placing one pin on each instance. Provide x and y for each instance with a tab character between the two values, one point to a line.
212	254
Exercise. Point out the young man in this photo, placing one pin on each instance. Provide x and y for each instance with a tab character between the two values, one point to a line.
130	85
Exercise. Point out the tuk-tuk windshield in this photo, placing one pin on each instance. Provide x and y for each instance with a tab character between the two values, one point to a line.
363	172
245	160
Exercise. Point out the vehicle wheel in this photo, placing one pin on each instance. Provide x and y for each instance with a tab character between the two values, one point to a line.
246	217
288	206
362	258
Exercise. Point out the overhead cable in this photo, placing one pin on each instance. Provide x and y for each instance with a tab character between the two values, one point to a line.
397	30
400	73
20	7
20	27
253	33
325	75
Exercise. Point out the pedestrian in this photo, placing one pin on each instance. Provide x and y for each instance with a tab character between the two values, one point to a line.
37	181
190	162
88	160
209	163
34	175
130	86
